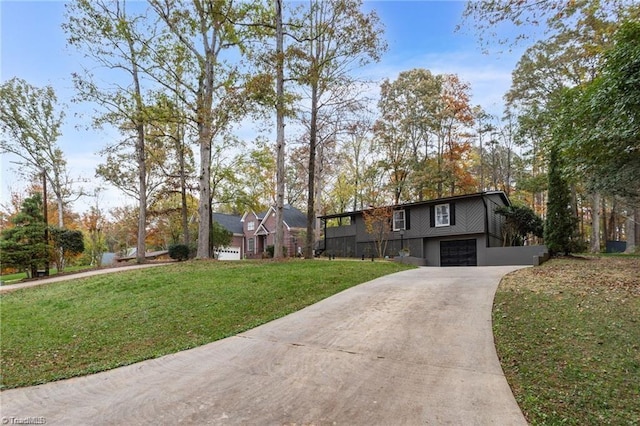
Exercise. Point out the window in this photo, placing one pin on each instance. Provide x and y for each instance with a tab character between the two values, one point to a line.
252	246
398	220
442	215
251	226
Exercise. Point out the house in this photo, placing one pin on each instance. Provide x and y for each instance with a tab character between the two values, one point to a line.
232	224
254	232
462	230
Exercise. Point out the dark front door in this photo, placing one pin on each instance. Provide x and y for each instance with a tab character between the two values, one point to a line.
458	253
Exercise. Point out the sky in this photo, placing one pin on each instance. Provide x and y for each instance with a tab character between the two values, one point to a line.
420	34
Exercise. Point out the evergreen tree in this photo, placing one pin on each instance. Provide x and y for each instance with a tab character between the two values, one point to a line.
24	246
67	243
519	223
559	226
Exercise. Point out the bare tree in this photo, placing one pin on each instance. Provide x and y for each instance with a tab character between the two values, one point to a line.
336	37
30	124
116	41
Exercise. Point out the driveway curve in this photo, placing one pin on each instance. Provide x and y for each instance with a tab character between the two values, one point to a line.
415	347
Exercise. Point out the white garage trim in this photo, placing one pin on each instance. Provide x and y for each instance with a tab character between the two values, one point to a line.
228	253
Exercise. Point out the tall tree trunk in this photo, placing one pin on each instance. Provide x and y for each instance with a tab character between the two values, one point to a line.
34	269
630	231
313	134
280	142
204	203
319	175
636	221
183	189
613	228
595	223
604	220
205	140
141	246
60	204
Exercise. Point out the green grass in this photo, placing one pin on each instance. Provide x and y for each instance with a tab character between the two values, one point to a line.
568	336
73	328
19	276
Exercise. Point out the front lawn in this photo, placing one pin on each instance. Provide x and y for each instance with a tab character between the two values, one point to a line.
83	326
19	276
568	337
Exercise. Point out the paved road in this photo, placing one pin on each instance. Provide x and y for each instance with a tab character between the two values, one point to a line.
410	348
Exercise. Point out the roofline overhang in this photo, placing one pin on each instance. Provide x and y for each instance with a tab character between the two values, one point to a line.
427	202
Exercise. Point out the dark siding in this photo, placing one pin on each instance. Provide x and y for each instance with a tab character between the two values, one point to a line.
452	214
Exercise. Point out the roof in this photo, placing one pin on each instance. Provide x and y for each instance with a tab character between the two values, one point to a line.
501	194
292	217
229	222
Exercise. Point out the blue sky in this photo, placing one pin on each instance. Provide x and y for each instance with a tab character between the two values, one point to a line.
420	34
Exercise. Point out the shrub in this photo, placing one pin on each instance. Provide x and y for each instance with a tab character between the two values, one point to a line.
179	252
270	251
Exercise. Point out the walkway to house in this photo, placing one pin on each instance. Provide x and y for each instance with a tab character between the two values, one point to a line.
414	347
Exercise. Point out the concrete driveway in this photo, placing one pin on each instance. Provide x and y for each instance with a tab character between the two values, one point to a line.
410	348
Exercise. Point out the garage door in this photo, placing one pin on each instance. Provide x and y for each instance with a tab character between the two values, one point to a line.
228	253
458	253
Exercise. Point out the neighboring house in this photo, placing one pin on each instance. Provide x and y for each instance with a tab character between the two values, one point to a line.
254	232
232	224
461	230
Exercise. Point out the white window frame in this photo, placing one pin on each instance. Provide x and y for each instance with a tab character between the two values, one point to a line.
397	220
251	226
443	215
251	245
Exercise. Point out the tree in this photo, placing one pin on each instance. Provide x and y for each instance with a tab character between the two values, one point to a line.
423	133
175	157
520	223
24	246
491	18
280	141
198	35
166	225
377	222
113	39
30	124
94	223
336	36
357	151
569	56
123	230
257	178
404	130
608	109
559	225
603	114
67	243
121	170
220	237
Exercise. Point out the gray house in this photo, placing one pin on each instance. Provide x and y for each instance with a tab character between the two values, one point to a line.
461	230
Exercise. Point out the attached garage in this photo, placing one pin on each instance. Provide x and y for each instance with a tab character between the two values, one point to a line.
459	253
228	253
